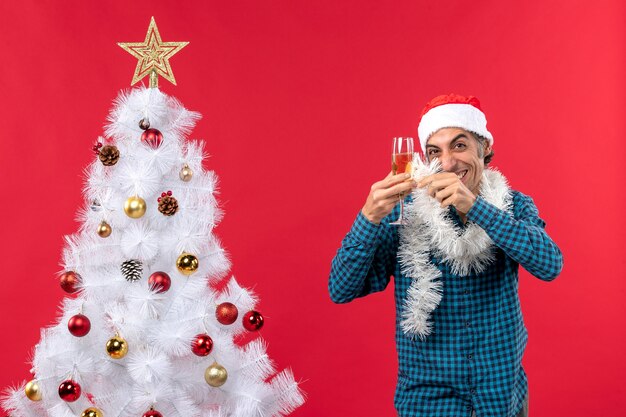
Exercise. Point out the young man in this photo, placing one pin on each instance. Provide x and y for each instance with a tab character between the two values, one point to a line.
459	330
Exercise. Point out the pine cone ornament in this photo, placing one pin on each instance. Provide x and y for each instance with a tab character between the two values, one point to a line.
132	270
167	204
109	155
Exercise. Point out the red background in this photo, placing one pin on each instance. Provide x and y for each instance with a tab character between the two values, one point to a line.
300	102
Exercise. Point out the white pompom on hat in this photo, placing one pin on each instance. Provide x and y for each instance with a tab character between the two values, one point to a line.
452	110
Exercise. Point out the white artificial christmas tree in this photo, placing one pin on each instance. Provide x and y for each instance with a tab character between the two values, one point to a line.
145	332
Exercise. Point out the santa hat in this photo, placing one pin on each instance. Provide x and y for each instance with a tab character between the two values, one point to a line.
452	110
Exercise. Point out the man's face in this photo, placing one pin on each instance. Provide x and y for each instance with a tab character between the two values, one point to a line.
458	151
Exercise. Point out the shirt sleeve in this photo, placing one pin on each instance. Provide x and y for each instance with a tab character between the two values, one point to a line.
521	236
365	261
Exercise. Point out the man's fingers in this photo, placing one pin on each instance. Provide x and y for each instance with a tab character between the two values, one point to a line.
390	196
402	188
387	204
443	182
444	193
394	179
435	177
439	185
448	201
424	181
390	180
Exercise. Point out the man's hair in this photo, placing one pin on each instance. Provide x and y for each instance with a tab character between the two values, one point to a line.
481	148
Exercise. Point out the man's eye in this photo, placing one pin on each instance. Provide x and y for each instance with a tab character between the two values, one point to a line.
460	145
432	151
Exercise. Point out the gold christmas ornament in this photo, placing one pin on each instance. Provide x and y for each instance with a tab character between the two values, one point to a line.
32	390
117	347
135	207
187	263
186	173
91	412
153	55
104	229
215	375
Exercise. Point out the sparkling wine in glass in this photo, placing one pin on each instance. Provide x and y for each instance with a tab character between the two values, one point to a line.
401	157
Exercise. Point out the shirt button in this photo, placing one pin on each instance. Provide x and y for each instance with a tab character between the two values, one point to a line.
469	356
467	324
472	391
466	291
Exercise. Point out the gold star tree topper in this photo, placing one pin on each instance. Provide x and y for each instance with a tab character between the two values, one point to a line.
153	55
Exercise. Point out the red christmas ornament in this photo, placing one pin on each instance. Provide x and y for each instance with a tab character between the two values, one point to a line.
69	390
152	413
226	313
160	282
202	344
79	325
152	137
69	281
252	320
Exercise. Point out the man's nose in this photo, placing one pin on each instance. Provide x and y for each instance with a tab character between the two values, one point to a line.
447	162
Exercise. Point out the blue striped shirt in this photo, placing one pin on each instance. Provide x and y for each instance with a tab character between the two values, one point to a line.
473	358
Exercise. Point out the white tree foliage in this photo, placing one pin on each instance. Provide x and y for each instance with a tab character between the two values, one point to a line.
160	369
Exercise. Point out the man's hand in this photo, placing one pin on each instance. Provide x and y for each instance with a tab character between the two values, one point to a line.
448	189
384	195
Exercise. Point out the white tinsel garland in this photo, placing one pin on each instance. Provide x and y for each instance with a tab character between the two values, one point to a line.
428	229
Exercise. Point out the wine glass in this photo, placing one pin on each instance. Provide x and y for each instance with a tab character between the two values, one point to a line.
401	157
